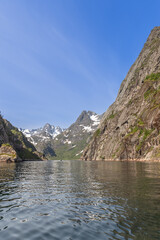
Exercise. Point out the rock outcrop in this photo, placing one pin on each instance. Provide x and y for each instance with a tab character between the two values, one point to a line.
130	128
14	146
8	154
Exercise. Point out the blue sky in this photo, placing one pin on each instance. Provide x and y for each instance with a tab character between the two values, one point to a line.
60	57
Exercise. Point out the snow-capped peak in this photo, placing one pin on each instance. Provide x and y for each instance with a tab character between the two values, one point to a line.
45	133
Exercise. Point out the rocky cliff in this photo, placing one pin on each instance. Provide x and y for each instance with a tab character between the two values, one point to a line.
130	128
14	146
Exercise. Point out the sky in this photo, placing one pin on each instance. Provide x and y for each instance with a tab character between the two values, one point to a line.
60	57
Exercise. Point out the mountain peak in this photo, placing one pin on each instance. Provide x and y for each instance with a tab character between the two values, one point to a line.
84	117
155	33
47	125
45	133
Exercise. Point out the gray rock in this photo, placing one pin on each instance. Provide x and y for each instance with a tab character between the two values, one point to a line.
130	127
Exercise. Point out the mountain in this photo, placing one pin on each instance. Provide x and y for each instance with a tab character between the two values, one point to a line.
41	138
130	128
58	143
71	143
42	134
14	146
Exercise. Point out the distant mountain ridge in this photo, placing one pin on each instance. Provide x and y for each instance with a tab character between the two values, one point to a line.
59	143
45	133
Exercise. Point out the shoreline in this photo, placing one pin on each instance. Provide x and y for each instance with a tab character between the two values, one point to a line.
124	160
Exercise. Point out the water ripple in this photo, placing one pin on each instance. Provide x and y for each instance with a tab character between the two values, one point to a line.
75	200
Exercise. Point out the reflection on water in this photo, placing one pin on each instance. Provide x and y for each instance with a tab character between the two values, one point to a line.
74	200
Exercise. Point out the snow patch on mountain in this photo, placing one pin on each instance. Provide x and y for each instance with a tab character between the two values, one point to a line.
26	132
96	119
67	141
43	134
87	128
79	153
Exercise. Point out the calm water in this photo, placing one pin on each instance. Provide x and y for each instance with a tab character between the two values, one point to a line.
75	200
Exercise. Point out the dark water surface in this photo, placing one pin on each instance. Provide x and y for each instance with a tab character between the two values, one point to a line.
75	200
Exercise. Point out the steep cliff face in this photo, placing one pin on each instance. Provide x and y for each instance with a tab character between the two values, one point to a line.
14	146
130	128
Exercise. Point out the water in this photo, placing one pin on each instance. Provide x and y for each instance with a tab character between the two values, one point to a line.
75	200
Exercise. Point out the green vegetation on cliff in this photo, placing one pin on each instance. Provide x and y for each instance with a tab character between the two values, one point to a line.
14	146
67	151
